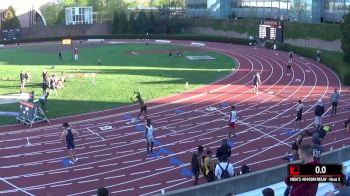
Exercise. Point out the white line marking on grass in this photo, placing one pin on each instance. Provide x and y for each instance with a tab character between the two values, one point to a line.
142	187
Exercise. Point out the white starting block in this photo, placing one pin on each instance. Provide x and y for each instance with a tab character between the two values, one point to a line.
96	40
197	44
158	41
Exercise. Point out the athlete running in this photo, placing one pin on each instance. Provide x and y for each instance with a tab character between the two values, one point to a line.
232	122
256	82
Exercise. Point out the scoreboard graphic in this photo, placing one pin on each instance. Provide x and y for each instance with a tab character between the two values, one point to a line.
10	34
271	30
315	173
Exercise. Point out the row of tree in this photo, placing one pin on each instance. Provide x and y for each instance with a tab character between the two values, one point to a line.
10	19
143	23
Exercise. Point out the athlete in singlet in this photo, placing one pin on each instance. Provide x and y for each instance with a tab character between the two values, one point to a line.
232	122
149	135
142	105
67	136
256	83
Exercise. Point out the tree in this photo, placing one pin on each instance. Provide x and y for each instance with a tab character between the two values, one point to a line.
131	23
142	23
10	19
51	12
345	41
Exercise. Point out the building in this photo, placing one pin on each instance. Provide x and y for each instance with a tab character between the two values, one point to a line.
79	15
311	11
28	17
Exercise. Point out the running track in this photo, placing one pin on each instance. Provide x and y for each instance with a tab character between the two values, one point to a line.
31	160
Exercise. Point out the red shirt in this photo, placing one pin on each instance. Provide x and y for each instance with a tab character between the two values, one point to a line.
303	189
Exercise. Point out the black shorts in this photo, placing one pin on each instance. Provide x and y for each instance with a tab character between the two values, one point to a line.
289	67
299	116
334	104
295	146
70	145
144	108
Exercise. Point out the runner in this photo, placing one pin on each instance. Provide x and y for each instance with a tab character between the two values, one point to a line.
291	55
299	110
289	68
43	101
319	111
68	135
256	82
335	99
274	47
142	105
149	136
232	122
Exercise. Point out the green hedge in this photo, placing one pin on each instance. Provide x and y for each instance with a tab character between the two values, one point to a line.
135	36
333	60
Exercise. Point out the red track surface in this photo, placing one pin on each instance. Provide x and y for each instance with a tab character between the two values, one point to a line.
119	162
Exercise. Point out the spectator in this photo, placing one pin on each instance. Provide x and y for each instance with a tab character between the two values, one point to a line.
223	151
319	111
102	192
318	56
295	147
196	163
317	147
23	80
299	189
245	169
334	99
347	125
99	61
27	76
268	192
60	56
224	169
170	54
45	76
208	166
43	101
343	189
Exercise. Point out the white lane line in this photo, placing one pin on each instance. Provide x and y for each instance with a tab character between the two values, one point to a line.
208	138
135	173
176	134
106	165
171	181
96	146
59	172
16	187
184	142
122	152
137	160
112	177
164	168
98	135
83	168
58	185
142	187
117	143
86	181
250	151
122	191
102	155
54	151
195	131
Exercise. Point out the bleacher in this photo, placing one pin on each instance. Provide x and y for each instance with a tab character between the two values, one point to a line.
280	187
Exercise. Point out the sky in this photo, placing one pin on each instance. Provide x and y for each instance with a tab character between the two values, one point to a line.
22	3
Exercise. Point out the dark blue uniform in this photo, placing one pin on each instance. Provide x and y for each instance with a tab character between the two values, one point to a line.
70	139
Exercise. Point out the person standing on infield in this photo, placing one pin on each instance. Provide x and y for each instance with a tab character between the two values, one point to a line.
232	122
299	110
142	105
149	136
335	99
68	135
318	56
256	82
